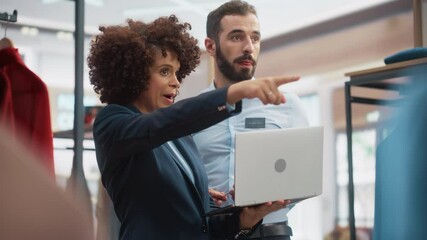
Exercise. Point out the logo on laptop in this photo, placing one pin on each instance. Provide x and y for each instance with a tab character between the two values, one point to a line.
280	165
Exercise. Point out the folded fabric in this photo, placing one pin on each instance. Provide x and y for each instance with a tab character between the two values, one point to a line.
405	55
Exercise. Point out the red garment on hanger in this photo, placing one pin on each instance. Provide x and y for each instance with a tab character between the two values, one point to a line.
7	119
26	105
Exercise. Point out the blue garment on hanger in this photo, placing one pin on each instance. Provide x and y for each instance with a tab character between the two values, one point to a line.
401	171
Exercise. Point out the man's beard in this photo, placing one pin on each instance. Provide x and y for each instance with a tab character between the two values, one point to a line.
228	70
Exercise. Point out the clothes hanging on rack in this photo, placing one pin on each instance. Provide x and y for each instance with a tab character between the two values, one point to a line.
6	107
6	17
25	106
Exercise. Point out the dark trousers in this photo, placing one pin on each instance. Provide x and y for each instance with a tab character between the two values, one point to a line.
272	231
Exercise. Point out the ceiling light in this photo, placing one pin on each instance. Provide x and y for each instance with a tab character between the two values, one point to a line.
29	31
64	36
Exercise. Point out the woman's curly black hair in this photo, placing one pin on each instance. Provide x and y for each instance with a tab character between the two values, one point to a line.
120	57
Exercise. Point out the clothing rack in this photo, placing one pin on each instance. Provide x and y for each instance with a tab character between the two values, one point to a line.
77	181
377	78
9	17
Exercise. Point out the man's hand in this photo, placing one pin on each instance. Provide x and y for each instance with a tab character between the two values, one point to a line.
266	89
249	216
217	196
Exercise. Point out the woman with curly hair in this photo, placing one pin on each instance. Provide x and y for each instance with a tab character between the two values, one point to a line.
149	163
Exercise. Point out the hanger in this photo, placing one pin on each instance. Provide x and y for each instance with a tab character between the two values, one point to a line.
4	16
6	42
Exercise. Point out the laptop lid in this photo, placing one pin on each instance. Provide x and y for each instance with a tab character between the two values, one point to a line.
276	164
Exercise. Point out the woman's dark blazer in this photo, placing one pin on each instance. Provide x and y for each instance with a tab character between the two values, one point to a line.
153	195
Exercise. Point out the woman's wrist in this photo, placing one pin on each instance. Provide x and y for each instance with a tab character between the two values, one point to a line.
233	94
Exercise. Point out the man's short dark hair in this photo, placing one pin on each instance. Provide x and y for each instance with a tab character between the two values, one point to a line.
234	7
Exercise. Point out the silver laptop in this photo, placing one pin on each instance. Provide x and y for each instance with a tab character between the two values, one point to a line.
276	164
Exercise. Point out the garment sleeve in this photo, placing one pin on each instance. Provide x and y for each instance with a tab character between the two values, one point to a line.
31	108
6	105
132	132
224	226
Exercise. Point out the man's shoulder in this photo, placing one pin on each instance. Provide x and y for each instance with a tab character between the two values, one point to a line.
211	87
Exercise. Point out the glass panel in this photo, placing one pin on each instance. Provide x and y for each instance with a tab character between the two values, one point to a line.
364	144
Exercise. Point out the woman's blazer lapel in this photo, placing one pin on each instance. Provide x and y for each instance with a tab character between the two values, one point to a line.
192	157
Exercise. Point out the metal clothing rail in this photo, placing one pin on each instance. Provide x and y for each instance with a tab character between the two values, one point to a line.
78	91
78	129
4	16
77	182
